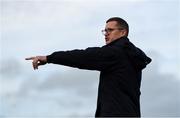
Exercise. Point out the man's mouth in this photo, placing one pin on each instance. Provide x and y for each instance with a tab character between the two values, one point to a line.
107	39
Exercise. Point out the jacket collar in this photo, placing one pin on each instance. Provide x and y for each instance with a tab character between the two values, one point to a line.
119	41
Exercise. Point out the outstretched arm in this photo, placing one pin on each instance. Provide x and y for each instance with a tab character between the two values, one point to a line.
37	61
94	58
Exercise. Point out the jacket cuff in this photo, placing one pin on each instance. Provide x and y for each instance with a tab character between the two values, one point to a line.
49	58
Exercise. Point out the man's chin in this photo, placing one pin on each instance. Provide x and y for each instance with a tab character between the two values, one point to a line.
107	42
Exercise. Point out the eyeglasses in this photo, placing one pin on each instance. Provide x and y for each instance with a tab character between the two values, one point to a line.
109	30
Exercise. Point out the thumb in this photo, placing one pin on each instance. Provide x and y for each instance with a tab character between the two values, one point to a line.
41	63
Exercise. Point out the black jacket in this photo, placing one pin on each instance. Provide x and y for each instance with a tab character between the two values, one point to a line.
120	64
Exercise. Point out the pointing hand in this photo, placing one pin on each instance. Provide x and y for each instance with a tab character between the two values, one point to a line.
37	61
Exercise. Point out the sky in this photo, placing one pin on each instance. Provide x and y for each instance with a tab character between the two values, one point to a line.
40	27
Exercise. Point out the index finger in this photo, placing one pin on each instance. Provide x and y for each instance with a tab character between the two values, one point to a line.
29	58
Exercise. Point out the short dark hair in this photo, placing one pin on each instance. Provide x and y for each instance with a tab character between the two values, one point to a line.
121	23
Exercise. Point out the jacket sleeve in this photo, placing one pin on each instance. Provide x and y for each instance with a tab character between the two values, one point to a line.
95	58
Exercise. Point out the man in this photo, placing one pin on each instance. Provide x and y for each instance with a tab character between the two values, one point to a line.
120	64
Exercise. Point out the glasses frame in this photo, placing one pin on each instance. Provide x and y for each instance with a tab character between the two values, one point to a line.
109	30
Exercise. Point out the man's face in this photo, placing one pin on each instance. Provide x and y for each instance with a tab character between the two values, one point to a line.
113	32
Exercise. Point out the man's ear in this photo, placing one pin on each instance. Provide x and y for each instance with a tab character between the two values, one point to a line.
124	32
